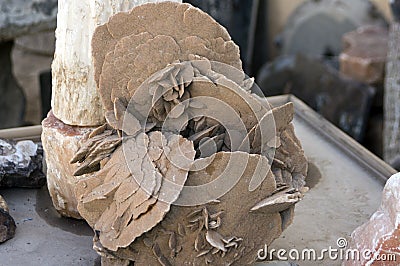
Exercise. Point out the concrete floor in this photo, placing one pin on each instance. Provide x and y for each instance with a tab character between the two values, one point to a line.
43	237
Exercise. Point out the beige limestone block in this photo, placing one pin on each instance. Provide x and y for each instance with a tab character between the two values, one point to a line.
60	143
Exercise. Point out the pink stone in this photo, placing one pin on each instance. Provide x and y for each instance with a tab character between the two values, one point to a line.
364	55
381	234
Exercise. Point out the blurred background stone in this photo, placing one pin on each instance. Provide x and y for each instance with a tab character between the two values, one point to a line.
7	223
364	55
19	18
392	92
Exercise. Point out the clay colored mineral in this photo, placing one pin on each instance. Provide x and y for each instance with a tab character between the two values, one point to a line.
75	99
192	167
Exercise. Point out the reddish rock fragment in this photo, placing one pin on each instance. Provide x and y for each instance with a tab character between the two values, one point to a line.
381	234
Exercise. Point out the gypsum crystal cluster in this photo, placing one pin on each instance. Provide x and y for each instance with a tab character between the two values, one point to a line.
162	129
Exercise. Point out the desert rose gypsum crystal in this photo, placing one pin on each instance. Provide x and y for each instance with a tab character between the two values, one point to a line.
75	99
109	212
285	114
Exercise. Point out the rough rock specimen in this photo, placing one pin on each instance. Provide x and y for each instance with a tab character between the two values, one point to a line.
60	143
125	47
215	232
21	164
126	199
364	59
364	55
75	99
343	101
106	202
381	234
7	224
186	143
